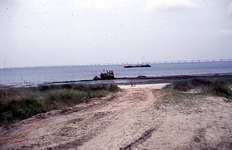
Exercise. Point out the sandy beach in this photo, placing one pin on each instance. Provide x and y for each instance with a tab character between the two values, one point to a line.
142	86
129	120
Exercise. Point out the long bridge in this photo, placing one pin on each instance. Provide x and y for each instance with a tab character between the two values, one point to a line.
175	61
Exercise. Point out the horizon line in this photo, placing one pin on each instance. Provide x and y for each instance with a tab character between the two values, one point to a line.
124	63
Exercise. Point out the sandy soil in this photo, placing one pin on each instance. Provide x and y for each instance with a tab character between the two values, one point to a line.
130	119
144	86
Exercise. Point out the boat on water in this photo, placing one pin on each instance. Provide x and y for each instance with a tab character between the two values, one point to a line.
133	66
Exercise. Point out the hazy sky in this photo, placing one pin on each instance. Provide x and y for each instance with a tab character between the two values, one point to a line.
76	32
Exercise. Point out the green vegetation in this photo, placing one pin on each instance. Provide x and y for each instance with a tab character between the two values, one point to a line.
21	103
217	87
187	93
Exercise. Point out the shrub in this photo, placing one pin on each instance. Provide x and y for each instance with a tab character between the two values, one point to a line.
81	87
185	85
43	88
199	82
64	98
66	86
113	88
20	103
181	85
217	87
167	87
19	109
98	87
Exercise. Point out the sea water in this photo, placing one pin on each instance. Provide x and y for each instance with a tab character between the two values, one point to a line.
39	75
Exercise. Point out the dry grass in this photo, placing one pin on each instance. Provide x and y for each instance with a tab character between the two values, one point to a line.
216	87
21	103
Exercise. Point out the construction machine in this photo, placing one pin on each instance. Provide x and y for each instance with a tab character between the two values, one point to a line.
109	74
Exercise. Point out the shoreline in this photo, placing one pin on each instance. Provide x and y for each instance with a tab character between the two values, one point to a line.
149	80
129	80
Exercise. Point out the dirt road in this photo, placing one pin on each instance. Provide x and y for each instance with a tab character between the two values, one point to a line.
126	120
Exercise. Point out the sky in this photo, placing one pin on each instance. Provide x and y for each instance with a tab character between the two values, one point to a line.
80	32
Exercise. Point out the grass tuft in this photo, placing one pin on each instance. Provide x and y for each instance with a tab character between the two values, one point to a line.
217	87
21	103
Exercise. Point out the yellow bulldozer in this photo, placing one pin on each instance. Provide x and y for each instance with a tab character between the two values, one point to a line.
109	74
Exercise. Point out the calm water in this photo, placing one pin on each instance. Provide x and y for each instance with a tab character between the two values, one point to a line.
40	75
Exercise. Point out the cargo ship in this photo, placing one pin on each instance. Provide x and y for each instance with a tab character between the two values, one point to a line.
133	66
